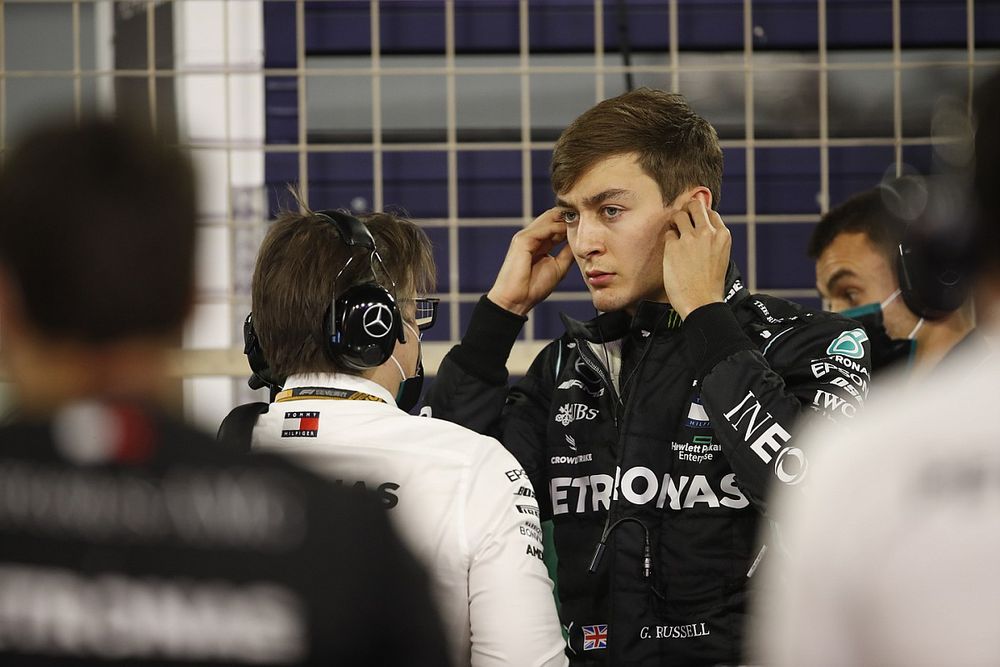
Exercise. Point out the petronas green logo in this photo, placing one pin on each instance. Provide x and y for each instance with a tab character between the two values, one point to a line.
849	344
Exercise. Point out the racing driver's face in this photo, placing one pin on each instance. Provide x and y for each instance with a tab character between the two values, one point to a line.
615	219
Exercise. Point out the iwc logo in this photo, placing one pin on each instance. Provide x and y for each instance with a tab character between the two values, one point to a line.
377	320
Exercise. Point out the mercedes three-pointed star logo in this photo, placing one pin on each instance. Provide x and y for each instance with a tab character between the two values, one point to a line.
377	320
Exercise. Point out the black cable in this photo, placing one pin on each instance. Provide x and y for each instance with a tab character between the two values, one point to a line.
647	555
623	43
647	552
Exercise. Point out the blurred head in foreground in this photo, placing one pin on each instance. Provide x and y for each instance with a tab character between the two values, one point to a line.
96	254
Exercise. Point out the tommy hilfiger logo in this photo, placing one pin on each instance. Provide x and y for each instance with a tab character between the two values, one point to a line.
697	417
300	425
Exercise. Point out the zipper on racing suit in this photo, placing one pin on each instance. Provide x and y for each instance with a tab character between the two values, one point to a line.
596	366
619	408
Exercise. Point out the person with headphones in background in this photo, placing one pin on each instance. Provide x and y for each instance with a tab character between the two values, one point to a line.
879	261
335	330
892	550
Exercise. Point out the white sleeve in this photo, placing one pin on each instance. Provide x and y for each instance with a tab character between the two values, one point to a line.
814	609
511	607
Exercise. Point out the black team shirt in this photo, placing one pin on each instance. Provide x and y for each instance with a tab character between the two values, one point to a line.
128	537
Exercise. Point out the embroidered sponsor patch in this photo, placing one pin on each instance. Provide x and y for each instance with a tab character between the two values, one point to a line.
595	637
848	344
300	425
697	417
571	412
579	458
514	475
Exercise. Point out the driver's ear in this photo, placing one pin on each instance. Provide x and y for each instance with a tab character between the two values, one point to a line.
703	194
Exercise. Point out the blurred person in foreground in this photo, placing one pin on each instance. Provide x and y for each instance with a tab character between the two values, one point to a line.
892	552
126	536
879	262
338	313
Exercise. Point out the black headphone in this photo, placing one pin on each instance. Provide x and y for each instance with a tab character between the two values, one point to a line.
933	261
362	325
260	369
933	282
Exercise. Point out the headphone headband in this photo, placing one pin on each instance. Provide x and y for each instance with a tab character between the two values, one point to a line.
352	231
363	323
361	326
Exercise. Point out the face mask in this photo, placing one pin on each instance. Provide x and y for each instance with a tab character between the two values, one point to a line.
920	323
886	351
408	394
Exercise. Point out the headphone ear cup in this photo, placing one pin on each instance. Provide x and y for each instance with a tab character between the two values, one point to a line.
363	326
258	363
932	282
934	264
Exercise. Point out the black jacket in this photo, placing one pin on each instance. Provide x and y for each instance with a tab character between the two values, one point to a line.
129	538
683	450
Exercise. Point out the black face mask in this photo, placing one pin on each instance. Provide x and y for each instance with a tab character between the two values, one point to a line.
408	394
886	352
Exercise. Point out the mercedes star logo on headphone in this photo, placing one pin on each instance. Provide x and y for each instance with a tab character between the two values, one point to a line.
377	320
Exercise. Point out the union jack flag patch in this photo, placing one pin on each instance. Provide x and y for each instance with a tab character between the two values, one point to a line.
300	425
595	637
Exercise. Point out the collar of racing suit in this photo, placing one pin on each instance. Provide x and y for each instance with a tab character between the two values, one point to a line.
649	316
340	381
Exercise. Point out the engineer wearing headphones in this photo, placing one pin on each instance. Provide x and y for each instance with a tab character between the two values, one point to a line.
881	260
893	550
335	330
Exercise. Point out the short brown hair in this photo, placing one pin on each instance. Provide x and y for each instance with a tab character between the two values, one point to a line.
676	147
97	228
868	212
294	282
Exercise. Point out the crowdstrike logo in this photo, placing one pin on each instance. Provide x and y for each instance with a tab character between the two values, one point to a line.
579	458
377	320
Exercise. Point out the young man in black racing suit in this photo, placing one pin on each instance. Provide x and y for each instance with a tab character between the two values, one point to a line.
652	432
